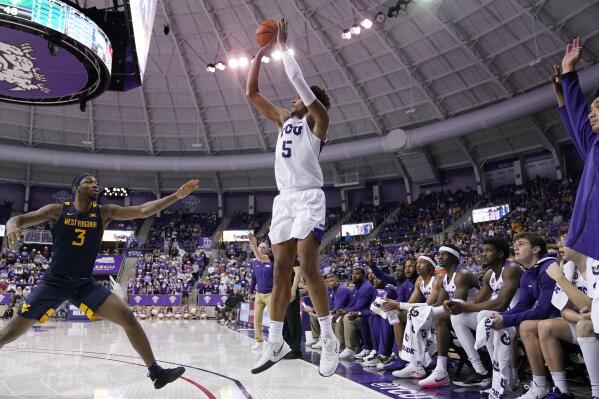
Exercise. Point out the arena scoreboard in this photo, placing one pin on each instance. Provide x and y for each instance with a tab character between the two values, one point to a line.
52	53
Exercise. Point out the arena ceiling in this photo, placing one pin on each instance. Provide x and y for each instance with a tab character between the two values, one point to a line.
435	60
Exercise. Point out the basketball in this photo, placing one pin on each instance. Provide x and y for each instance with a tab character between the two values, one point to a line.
266	31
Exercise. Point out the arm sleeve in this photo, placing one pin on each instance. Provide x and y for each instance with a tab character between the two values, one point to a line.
543	308
294	73
387	279
563	113
578	109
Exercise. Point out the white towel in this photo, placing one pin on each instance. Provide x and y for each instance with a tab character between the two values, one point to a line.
499	343
559	298
420	343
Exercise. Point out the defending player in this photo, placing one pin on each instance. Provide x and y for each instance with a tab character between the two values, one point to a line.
76	239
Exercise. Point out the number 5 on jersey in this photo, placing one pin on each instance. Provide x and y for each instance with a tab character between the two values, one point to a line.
287	148
80	237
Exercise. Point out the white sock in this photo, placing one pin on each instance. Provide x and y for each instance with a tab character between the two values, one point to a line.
540	381
590	352
275	332
441	364
326	327
559	380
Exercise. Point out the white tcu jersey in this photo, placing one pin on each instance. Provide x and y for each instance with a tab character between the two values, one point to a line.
427	289
450	288
297	166
496	285
592	278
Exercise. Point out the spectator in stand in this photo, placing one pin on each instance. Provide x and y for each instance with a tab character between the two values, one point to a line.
261	285
227	311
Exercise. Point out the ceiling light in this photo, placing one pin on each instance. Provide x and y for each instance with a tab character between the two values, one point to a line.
355	30
265	59
243	62
276	55
211	68
291	51
233	63
366	23
220	66
380	18
346	34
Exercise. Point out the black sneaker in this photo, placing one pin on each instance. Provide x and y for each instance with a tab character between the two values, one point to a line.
166	376
474	380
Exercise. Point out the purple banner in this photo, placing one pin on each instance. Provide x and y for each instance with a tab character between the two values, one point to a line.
205	242
108	264
5	299
211	299
157	300
134	253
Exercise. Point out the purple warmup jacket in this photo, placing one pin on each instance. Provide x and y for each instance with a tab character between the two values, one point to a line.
584	225
361	297
536	290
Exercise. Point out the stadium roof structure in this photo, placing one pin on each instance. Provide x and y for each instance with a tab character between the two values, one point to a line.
435	62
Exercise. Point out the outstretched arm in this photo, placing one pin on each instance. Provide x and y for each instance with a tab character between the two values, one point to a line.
254	243
16	223
115	212
275	114
318	112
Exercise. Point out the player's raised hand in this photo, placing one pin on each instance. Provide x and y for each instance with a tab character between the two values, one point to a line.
282	34
12	236
252	239
572	56
187	188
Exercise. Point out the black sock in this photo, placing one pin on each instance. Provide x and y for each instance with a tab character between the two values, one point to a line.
154	369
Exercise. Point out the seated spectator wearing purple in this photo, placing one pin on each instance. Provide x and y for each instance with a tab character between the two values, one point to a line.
582	127
348	324
498	292
261	284
405	283
377	333
339	298
534	304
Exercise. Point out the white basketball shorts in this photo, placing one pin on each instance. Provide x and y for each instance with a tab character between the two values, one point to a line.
296	214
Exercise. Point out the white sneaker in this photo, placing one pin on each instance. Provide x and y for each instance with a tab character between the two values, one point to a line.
374	362
410	371
271	354
329	359
347	354
309	343
317	345
362	354
535	392
257	346
371	355
435	380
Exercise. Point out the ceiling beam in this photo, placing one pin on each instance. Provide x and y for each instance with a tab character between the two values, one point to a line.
402	58
201	124
31	117
149	134
218	32
327	43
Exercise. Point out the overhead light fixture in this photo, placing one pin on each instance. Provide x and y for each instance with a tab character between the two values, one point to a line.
265	59
220	66
410	110
346	34
196	145
276	55
291	51
211	68
380	17
166	29
366	23
355	30
243	62
233	63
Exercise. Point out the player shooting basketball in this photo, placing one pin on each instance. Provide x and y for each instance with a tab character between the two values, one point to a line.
298	213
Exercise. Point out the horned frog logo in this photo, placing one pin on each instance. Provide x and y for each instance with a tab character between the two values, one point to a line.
192	203
61	196
17	68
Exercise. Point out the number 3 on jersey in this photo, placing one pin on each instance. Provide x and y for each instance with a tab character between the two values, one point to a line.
80	237
287	148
